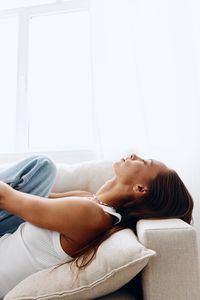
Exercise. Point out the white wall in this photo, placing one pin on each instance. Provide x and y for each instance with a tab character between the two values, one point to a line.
147	82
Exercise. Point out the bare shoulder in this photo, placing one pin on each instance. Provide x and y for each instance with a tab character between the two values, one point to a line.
88	214
89	221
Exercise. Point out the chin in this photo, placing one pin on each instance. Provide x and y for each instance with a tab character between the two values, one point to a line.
117	164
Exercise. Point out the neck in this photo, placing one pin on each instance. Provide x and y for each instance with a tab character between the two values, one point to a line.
111	194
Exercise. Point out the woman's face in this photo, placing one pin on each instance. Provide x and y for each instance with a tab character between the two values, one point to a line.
136	170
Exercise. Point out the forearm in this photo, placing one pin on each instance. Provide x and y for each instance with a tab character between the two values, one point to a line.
37	210
20	204
70	194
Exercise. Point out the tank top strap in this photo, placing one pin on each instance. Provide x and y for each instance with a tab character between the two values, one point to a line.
111	210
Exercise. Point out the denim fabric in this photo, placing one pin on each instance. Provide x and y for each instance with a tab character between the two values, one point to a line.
34	175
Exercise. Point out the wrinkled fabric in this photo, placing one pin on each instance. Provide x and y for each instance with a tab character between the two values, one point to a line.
34	175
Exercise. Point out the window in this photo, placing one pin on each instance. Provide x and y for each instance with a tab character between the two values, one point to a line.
46	66
59	89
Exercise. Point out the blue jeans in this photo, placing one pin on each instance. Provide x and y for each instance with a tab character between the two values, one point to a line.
34	175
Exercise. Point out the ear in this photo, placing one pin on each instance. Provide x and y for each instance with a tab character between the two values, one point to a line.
140	190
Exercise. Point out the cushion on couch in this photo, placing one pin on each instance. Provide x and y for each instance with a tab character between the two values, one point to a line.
117	261
88	176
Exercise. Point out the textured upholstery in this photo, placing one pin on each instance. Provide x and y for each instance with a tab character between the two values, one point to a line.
173	274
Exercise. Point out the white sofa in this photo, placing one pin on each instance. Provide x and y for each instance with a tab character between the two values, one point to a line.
172	274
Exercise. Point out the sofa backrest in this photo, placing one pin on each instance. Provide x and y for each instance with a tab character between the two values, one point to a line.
88	176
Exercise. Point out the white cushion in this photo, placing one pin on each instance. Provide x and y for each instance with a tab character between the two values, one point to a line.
118	260
88	176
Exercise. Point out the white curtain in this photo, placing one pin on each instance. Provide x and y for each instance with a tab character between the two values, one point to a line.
146	65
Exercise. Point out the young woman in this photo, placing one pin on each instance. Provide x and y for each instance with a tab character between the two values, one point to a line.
71	226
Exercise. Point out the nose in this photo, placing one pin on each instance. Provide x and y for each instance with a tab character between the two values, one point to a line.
132	156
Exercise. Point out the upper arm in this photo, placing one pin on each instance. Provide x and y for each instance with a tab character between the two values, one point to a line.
66	215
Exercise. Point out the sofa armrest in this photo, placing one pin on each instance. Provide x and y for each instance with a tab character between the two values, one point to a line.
173	274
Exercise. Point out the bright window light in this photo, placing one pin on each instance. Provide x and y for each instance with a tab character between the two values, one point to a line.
59	89
8	75
9	4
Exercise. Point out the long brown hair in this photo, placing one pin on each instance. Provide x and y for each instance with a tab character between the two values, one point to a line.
167	197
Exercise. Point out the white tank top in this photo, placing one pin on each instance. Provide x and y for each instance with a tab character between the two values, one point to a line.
26	251
30	249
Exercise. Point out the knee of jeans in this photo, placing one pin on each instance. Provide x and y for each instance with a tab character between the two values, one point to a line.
47	166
